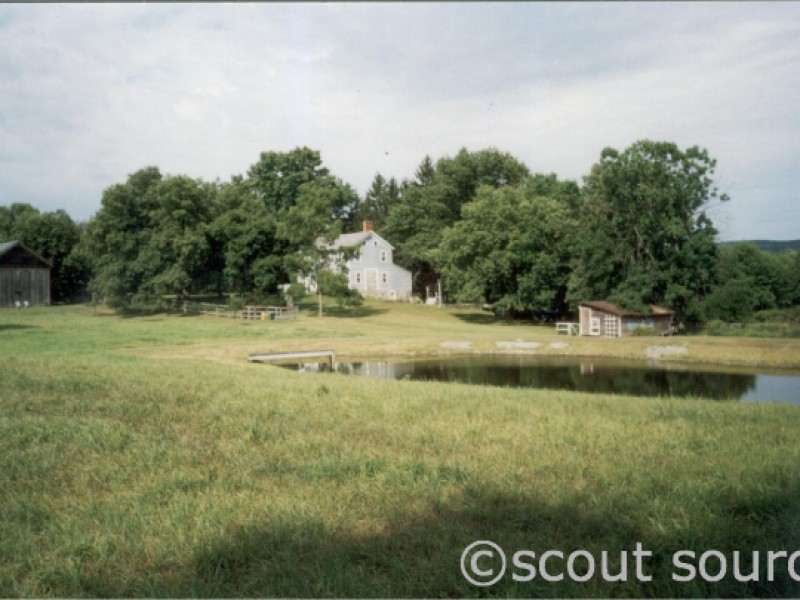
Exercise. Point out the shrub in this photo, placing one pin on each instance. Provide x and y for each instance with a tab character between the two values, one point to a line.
335	285
297	291
776	315
645	331
236	302
766	330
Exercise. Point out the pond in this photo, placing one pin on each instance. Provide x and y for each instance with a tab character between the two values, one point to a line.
608	376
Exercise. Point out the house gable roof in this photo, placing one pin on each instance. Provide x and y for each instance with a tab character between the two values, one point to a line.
7	247
613	309
349	240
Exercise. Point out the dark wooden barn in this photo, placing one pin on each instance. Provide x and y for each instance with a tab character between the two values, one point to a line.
607	319
24	277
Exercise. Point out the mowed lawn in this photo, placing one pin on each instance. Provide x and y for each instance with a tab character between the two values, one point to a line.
144	456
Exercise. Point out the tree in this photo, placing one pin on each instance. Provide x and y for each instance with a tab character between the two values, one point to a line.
379	200
645	235
335	284
157	236
277	176
243	240
793	261
250	229
174	258
311	225
433	202
116	234
425	172
511	247
786	277
149	239
54	236
750	280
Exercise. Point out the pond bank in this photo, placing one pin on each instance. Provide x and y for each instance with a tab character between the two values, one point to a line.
690	350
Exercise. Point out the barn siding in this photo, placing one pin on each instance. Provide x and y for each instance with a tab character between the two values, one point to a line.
21	284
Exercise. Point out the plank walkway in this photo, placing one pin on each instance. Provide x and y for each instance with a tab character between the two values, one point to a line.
278	357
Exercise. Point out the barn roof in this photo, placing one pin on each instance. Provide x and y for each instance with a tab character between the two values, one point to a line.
6	247
612	308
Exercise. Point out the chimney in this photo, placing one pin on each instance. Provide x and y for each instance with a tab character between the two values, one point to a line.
367	226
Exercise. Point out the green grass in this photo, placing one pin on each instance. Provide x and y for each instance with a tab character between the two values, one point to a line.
145	457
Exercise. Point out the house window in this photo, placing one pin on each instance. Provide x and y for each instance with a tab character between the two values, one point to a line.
383	255
358	278
384	278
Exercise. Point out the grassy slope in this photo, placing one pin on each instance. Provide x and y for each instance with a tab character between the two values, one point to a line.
144	457
381	329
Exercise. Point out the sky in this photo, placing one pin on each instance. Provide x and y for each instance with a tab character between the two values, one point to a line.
90	93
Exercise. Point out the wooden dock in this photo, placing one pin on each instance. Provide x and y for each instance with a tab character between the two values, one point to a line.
322	356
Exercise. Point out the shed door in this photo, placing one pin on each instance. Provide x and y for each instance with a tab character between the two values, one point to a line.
595	326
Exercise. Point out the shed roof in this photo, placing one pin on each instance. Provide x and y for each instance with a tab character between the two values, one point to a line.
612	308
6	247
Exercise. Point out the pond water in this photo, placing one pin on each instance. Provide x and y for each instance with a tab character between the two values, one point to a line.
607	376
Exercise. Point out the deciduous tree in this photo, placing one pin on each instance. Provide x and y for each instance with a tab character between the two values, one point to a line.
311	225
645	235
433	202
511	247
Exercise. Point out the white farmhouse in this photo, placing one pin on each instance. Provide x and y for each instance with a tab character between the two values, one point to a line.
372	270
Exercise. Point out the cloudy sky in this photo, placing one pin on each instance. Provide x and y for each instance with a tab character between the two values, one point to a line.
91	93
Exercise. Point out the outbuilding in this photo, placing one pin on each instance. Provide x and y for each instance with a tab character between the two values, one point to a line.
601	318
24	277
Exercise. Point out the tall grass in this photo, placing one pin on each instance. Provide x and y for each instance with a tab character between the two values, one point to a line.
139	459
754	329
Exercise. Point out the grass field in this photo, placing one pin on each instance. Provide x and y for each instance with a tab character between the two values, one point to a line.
144	457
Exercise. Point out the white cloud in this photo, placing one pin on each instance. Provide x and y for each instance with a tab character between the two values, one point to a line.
94	92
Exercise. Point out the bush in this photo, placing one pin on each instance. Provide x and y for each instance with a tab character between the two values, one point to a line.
335	285
645	331
777	315
259	298
736	300
236	302
143	303
297	291
349	299
766	330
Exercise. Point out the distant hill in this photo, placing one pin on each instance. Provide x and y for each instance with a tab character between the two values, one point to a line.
769	245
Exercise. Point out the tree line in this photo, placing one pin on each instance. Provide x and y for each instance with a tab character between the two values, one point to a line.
635	231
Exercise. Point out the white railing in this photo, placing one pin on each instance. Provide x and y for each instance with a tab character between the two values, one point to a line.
567	327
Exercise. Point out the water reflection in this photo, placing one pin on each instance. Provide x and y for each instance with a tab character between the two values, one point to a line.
586	375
